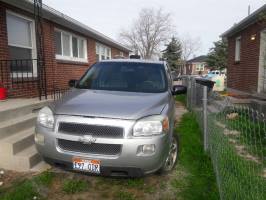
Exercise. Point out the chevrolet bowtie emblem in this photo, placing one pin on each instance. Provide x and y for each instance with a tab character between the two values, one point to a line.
87	139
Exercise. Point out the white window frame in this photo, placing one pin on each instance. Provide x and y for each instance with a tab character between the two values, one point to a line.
199	67
33	45
99	46
71	58
238	49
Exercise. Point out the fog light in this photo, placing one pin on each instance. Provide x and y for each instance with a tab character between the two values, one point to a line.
148	148
39	139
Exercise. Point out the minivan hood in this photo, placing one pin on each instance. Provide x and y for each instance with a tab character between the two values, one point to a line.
110	104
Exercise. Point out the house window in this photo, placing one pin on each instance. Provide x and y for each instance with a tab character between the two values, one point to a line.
70	47
238	49
103	52
21	43
200	67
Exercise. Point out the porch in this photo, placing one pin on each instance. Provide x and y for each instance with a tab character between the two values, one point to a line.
17	149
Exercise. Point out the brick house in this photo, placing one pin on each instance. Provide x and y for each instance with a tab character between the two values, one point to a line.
196	66
68	48
246	72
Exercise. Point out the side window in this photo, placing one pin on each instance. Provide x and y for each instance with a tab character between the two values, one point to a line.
237	49
169	76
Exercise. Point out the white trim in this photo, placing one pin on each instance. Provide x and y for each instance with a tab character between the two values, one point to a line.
68	58
33	43
106	48
262	63
199	63
20	46
71	57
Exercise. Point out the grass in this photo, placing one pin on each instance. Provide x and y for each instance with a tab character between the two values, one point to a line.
21	191
73	186
252	131
181	98
201	182
45	178
27	189
124	195
135	183
239	177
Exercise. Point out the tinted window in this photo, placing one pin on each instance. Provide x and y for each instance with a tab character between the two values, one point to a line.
125	76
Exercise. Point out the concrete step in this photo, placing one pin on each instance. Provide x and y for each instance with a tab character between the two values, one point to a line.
40	167
17	142
22	161
17	124
21	109
27	158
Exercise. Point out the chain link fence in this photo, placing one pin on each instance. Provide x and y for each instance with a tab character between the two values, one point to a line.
235	138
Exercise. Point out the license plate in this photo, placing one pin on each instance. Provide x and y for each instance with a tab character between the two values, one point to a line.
92	166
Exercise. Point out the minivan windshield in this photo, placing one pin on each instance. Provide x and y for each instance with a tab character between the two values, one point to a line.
125	76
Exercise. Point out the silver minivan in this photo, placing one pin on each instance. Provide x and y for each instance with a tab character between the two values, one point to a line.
117	120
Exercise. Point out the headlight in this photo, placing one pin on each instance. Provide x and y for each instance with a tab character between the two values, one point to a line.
46	117
153	125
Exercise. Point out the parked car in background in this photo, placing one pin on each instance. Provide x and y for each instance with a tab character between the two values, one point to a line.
118	120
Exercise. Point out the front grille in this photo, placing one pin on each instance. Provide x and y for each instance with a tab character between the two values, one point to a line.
94	148
89	129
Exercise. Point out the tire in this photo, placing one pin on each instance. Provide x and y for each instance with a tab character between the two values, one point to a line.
172	158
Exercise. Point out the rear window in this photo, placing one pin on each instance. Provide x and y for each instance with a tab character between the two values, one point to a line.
125	76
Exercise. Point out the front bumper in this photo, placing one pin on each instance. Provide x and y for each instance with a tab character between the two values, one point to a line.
130	161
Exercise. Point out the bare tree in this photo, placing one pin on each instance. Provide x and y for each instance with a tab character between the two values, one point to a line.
149	32
190	46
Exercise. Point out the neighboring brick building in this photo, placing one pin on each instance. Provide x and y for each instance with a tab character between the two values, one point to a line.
196	66
246	72
70	47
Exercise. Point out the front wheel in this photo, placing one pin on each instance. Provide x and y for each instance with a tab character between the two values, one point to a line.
171	160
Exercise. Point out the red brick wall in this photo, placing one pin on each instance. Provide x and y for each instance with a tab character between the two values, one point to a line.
58	72
116	52
3	44
243	75
191	70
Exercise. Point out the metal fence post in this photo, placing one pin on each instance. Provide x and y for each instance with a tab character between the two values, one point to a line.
189	92
205	117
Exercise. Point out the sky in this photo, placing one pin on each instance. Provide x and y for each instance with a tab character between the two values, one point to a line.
204	19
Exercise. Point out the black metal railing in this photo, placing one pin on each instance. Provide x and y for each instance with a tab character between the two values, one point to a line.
18	71
23	73
58	93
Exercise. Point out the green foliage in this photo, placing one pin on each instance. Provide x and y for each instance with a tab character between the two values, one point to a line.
181	98
46	178
217	57
239	178
123	195
173	53
73	186
261	20
21	191
135	183
201	182
252	131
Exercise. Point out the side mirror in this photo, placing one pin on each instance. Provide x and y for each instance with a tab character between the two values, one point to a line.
179	89
72	83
